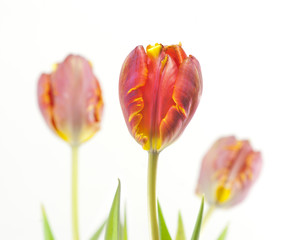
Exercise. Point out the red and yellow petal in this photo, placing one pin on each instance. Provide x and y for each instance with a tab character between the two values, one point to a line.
133	78
188	87
176	53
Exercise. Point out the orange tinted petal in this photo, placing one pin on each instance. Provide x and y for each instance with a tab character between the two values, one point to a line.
176	53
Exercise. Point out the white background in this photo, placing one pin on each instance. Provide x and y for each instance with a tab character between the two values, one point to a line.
240	46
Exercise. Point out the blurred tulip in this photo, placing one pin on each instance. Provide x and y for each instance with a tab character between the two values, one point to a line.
159	91
228	171
70	100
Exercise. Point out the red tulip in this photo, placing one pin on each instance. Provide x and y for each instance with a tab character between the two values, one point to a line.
228	171
70	100
159	90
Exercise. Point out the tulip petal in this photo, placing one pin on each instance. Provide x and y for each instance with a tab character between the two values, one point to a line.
45	98
246	177
132	78
176	53
188	86
186	95
170	125
162	73
164	97
46	103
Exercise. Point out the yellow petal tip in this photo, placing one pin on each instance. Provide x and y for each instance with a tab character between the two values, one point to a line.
154	51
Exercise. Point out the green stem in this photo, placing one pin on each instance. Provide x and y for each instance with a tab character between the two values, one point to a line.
74	193
152	208
208	214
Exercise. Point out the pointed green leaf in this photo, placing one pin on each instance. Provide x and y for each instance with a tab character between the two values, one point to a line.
47	231
125	229
98	232
196	231
163	231
180	235
113	222
121	234
224	233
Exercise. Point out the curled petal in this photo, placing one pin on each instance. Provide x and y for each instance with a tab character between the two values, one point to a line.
176	53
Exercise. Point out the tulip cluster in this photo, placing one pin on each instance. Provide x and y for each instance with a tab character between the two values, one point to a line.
159	91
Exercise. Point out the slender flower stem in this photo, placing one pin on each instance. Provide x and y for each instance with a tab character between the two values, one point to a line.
74	193
208	214
152	208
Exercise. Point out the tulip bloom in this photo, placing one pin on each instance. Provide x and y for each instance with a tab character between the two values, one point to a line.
159	91
70	100
228	171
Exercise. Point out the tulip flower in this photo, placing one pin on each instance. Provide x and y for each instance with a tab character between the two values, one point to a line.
159	91
70	100
228	171
71	103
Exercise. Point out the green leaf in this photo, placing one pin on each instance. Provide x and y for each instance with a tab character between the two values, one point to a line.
224	233
180	235
121	234
47	231
98	232
196	231
113	222
125	229
163	231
